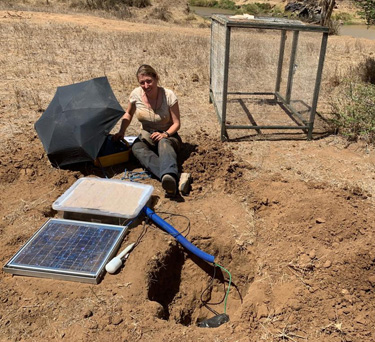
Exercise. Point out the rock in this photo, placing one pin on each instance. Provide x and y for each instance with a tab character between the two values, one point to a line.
195	78
155	309
361	319
371	279
262	311
304	260
327	264
312	254
319	220
93	325
116	320
295	304
88	314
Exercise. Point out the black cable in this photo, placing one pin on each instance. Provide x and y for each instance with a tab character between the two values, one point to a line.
178	215
209	287
143	233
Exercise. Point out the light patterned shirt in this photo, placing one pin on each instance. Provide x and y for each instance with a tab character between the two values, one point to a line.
158	120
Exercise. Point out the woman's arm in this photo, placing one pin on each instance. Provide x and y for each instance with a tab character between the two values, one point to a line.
176	124
126	120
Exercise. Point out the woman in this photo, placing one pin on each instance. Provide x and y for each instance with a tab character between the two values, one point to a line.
158	143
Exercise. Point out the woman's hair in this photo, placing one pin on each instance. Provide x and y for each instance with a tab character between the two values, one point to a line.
147	70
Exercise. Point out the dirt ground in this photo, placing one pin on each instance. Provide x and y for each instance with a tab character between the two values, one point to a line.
292	220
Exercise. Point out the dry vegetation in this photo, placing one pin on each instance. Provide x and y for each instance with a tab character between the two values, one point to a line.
292	220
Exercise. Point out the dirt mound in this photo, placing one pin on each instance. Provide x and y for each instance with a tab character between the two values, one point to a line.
213	165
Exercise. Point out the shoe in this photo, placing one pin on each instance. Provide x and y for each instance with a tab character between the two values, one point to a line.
184	184
168	182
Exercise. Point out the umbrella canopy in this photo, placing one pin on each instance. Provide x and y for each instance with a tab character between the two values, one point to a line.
75	125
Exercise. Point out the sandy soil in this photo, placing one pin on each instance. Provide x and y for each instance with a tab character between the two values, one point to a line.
292	220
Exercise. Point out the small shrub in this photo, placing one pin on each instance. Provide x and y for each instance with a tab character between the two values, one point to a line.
203	3
277	11
367	10
256	8
115	5
366	70
191	17
226	4
343	17
138	3
354	111
162	13
333	27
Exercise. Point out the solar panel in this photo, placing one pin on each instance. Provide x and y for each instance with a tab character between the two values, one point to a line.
68	250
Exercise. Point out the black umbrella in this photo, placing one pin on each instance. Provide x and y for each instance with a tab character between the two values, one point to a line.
78	119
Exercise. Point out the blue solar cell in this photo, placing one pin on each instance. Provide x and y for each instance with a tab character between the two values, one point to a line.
68	249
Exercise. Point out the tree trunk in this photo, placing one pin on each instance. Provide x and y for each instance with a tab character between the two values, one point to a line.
327	9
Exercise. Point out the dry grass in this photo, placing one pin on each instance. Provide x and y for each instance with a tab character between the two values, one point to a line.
157	12
38	58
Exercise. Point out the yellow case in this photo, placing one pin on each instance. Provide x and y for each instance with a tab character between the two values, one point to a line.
113	159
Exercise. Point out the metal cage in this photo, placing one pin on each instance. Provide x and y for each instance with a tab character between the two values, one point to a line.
282	74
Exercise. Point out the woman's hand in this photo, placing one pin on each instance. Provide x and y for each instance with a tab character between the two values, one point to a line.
125	122
157	136
118	136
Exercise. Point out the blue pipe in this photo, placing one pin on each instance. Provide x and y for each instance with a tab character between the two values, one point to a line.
177	235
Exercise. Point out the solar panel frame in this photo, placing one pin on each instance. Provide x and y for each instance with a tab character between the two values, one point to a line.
95	244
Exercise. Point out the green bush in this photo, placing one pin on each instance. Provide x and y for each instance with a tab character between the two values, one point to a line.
203	3
344	17
354	111
108	5
367	10
226	4
257	8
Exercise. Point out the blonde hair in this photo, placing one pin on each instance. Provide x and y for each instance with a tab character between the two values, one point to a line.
147	70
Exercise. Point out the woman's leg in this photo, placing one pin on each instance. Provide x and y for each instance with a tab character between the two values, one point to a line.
167	151
162	164
147	157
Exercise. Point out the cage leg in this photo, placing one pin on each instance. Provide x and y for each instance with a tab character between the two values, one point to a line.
292	66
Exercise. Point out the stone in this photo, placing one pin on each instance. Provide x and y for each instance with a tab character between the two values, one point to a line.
88	314
312	254
371	279
262	312
116	320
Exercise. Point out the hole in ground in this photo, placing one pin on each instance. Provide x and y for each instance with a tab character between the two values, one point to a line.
164	278
177	281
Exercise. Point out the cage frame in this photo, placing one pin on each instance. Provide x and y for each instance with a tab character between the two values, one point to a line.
283	26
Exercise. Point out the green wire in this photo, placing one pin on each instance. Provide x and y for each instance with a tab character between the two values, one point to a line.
229	282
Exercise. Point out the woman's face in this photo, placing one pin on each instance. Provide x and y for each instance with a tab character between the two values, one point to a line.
147	83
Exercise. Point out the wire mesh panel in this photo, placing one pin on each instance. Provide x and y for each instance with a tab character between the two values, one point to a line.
265	74
217	66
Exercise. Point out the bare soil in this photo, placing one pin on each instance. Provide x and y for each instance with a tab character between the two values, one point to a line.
292	220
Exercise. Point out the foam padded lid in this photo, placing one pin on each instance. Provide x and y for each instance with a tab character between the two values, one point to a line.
108	197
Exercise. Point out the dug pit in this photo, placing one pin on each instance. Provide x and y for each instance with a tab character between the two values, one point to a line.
179	283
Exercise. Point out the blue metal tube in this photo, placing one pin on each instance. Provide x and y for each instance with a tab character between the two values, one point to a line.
176	234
